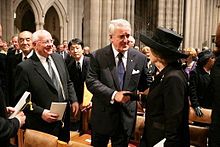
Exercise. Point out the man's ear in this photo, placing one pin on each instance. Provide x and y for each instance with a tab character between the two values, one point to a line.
34	43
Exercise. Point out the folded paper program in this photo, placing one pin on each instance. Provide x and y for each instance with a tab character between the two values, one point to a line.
22	104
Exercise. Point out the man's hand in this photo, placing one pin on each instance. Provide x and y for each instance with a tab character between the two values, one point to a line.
21	117
121	98
10	110
75	108
85	108
49	116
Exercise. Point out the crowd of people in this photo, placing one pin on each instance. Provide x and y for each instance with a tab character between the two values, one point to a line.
165	80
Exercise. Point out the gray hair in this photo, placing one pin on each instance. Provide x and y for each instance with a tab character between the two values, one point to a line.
38	34
118	23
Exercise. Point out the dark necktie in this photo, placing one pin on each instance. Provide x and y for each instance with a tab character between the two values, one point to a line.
78	70
55	80
25	58
120	70
78	66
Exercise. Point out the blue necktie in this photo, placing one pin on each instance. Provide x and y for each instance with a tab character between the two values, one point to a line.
120	70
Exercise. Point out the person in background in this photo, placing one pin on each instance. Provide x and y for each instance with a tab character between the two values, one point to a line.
4	48
167	105
25	44
14	49
3	71
214	128
116	71
199	82
87	51
190	63
46	77
78	68
8	127
131	41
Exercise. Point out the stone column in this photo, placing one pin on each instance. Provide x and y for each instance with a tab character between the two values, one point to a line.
161	9
106	17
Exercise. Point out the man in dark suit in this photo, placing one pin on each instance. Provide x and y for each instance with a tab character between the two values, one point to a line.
78	68
15	49
45	75
8	127
25	43
62	51
115	71
214	129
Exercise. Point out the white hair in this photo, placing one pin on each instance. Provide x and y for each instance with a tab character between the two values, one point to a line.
118	23
38	34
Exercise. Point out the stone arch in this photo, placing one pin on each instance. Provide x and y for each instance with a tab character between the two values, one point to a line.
52	24
37	11
58	6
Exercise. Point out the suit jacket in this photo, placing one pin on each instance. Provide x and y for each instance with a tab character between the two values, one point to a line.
214	129
102	81
64	54
78	79
32	77
8	127
12	61
3	75
167	110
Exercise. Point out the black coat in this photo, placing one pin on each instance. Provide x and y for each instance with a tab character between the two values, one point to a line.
78	78
200	88
214	135
12	61
32	77
167	110
3	76
8	127
102	81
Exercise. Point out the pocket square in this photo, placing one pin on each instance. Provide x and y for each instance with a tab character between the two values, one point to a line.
135	71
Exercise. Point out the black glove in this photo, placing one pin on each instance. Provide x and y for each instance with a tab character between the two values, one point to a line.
198	111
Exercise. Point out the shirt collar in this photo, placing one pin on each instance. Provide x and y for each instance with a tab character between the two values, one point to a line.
29	55
116	53
80	60
42	58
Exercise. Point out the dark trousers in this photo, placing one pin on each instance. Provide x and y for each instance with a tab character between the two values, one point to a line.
64	132
119	139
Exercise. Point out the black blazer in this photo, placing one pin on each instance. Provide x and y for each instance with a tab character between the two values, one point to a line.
12	61
32	77
214	129
8	127
102	81
199	81
78	79
167	110
3	75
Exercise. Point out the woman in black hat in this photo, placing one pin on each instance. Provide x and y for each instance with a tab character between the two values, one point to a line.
167	103
200	82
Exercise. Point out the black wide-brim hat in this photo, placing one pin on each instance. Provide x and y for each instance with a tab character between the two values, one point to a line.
206	54
164	41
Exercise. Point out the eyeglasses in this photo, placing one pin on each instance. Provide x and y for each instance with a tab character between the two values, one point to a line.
49	41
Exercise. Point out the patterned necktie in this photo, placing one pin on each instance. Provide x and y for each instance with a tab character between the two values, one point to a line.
120	70
55	80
